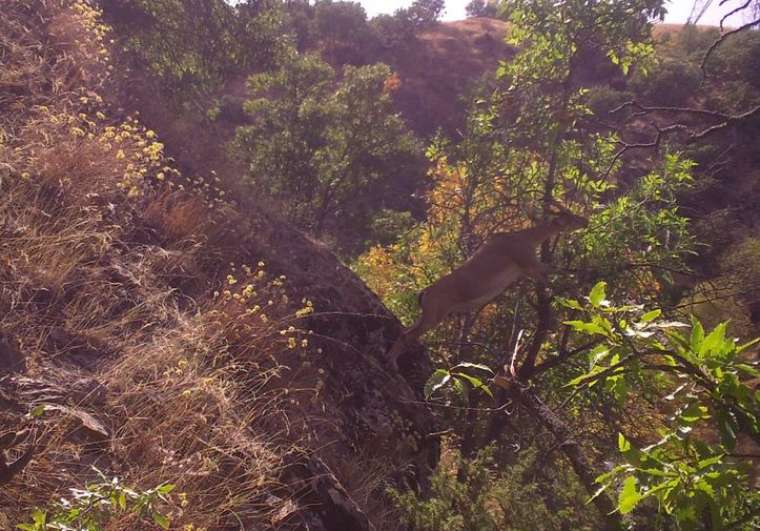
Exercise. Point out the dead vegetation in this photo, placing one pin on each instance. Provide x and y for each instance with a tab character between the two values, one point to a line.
119	369
143	335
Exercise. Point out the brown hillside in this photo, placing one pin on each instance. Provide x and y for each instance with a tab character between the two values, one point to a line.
437	74
660	30
448	59
151	328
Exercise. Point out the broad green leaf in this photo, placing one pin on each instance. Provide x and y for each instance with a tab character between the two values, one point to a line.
629	496
439	378
715	342
629	452
586	328
570	303
623	444
461	390
166	488
697	336
161	520
598	354
704	463
650	316
478	366
597	294
476	383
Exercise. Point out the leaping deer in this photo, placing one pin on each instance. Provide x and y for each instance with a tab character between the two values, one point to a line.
499	262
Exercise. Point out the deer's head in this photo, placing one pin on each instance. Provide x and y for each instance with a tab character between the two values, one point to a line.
566	220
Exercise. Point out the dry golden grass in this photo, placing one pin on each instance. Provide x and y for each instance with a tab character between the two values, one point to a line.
100	250
158	346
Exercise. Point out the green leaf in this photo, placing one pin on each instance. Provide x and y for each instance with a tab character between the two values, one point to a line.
597	294
461	390
161	520
439	378
715	342
726	430
37	411
598	354
704	463
748	345
650	316
570	303
478	366
40	518
697	336
583	377
748	370
476	383
586	328
623	444
166	488
694	413
629	496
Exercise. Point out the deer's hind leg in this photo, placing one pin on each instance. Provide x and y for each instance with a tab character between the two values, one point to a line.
431	315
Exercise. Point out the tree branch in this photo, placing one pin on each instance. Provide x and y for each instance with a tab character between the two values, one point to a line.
722	38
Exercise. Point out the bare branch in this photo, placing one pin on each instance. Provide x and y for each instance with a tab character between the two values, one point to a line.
733	12
726	120
722	38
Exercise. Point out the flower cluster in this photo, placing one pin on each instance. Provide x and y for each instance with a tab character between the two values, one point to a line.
257	306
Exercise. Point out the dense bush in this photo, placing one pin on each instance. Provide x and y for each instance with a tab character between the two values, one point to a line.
332	152
669	83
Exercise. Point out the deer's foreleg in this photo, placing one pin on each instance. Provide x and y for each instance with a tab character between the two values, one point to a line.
432	314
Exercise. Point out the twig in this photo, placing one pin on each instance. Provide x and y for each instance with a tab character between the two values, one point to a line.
499	409
720	40
733	12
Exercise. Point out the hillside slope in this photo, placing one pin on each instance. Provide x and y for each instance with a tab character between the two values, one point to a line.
153	331
437	74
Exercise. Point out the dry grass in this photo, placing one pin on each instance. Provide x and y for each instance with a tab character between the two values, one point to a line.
99	249
159	347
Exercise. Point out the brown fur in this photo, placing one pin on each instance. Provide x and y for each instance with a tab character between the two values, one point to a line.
499	262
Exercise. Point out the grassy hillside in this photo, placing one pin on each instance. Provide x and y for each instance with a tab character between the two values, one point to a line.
151	331
433	94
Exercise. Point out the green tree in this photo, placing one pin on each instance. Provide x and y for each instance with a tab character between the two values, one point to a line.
344	33
482	8
331	151
529	142
189	49
698	481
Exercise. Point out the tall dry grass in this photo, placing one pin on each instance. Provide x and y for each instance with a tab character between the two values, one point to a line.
109	264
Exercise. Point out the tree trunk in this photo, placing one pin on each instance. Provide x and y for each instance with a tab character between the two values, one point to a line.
573	451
